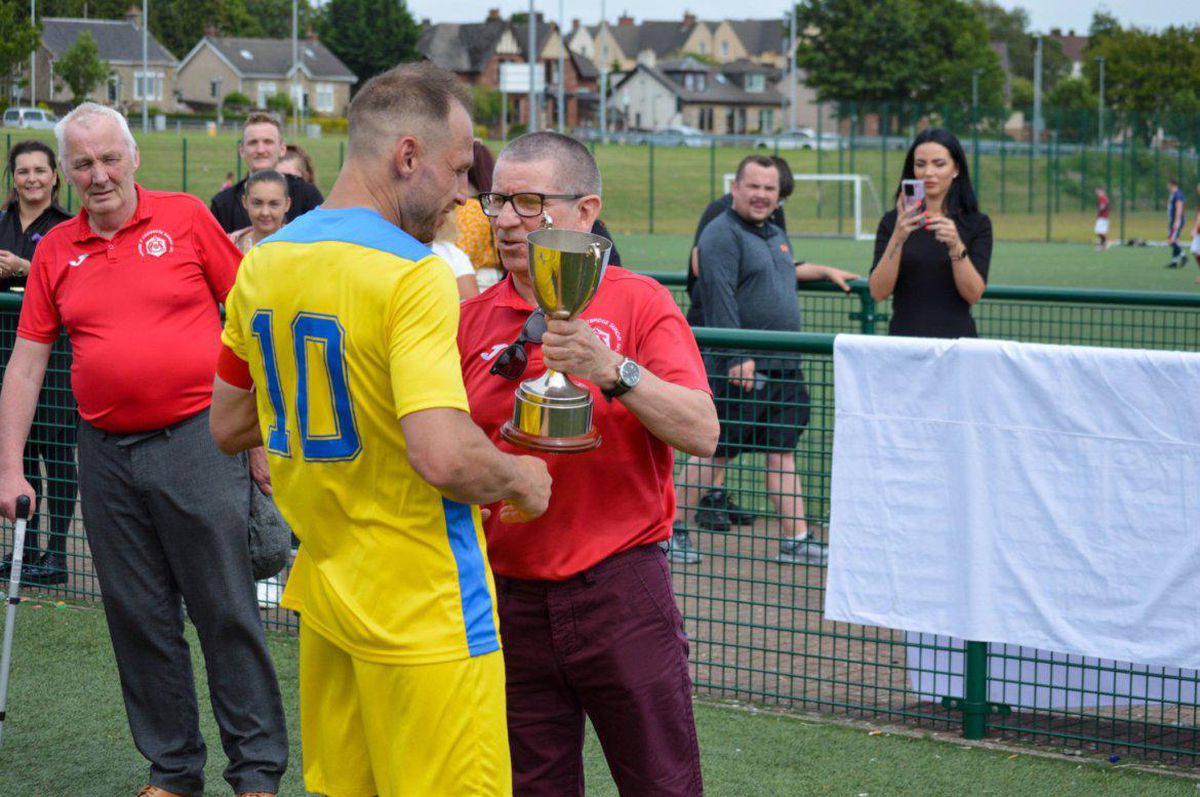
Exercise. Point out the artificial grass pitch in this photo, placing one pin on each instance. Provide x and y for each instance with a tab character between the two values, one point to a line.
66	735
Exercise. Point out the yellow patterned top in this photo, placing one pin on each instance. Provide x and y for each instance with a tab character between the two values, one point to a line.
475	235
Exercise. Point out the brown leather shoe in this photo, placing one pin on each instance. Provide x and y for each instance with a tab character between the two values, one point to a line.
150	790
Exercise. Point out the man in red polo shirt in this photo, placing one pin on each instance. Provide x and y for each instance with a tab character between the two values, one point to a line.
587	613
136	278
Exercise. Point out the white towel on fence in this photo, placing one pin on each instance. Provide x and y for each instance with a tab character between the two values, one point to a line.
1022	493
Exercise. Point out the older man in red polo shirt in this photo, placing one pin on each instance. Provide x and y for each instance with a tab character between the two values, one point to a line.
587	613
136	278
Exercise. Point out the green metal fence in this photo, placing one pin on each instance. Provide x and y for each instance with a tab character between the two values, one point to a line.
1033	188
756	623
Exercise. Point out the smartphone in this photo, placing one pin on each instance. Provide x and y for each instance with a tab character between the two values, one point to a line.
913	191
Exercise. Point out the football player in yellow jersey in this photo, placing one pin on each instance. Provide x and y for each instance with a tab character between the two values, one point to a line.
341	359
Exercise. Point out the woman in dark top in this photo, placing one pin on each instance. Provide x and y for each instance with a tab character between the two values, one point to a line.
933	257
31	211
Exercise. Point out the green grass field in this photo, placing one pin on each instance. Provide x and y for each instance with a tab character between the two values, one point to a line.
66	735
675	183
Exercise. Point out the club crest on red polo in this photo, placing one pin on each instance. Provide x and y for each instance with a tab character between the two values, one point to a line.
155	243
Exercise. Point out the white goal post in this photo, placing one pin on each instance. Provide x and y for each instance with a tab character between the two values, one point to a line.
863	188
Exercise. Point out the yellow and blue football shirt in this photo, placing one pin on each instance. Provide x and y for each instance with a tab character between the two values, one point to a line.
348	324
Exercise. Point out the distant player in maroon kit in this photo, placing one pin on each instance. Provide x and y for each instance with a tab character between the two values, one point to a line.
1101	219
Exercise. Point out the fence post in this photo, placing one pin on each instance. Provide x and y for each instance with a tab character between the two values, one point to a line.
868	311
1083	178
1003	189
70	197
975	706
1124	147
712	169
1033	143
1049	184
341	154
651	191
184	151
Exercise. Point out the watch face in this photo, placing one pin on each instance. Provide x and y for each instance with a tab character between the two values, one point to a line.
630	373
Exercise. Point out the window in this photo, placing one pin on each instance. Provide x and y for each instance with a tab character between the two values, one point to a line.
703	48
756	83
766	120
324	98
725	49
266	90
147	85
114	89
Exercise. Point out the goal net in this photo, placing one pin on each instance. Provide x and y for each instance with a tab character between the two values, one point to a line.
831	204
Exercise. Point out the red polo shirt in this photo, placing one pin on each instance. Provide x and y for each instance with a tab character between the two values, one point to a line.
141	309
617	496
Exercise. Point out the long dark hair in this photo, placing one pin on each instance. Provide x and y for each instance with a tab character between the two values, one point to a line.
24	148
960	201
480	173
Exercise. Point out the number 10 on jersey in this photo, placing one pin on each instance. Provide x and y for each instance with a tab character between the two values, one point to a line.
310	332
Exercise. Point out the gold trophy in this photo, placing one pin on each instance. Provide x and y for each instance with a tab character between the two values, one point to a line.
552	413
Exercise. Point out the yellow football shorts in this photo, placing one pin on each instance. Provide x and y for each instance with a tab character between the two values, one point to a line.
378	729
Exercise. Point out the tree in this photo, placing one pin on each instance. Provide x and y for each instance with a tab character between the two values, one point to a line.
80	67
858	51
20	39
369	36
1012	28
896	53
179	24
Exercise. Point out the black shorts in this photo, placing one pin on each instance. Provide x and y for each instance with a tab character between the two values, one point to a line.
769	418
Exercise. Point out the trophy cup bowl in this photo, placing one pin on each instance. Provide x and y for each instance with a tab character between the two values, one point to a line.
552	413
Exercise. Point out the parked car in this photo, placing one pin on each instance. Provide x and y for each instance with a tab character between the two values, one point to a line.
679	136
29	117
800	138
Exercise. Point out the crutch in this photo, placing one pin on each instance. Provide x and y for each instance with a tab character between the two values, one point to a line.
10	613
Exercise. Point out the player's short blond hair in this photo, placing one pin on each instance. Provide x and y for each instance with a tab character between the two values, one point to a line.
409	99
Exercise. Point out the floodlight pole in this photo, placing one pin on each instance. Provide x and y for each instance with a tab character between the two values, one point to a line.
1037	92
1100	120
792	110
533	114
603	77
33	58
295	67
145	65
562	74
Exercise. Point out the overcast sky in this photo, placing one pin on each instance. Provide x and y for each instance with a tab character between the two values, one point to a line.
1044	14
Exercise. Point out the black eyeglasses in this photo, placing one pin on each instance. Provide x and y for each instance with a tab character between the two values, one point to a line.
511	361
527	203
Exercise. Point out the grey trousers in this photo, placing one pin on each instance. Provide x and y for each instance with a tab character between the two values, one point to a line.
166	515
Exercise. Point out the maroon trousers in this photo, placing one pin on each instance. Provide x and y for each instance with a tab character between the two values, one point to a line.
607	643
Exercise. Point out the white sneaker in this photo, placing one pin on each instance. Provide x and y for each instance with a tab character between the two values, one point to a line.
270	590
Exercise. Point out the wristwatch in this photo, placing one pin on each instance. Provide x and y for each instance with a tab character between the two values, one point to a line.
629	374
962	254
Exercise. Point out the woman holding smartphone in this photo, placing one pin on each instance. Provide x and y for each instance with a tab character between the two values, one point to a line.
933	254
32	211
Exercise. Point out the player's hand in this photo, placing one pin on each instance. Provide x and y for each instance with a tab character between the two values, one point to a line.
571	347
12	487
946	231
260	471
534	497
742	375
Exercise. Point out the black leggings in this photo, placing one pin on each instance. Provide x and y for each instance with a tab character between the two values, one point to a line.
53	445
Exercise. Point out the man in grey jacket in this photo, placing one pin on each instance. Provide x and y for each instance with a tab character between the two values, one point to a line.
748	281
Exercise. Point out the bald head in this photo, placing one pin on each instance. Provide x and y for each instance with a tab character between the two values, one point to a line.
408	100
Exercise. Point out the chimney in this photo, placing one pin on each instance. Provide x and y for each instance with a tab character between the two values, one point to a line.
311	34
689	19
493	15
625	21
1056	33
134	17
1071	32
212	31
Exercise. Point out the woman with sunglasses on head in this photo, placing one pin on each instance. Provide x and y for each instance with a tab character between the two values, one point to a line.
933	255
32	211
